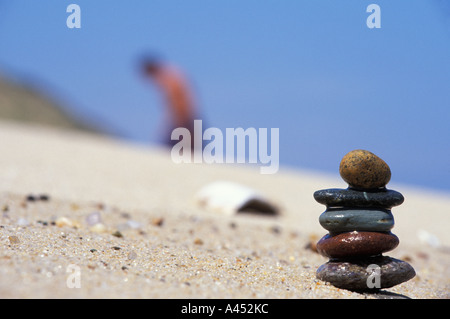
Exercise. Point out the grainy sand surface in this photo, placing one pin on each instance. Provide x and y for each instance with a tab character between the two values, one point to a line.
156	242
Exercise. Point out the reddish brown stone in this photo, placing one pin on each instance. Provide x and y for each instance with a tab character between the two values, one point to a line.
356	244
364	170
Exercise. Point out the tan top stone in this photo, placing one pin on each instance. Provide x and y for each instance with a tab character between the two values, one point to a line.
362	169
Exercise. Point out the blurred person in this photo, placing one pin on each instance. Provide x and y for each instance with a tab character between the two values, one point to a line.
178	96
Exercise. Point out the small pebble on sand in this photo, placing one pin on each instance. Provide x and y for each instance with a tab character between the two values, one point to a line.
22	222
98	228
117	234
198	241
132	255
93	218
65	222
14	240
158	221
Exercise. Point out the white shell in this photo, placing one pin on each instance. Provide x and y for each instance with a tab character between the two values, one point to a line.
231	198
428	238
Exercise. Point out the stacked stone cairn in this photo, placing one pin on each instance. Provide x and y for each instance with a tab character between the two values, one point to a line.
359	222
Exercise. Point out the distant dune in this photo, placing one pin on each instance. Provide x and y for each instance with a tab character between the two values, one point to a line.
23	103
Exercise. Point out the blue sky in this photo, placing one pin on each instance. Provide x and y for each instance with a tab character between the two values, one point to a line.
313	69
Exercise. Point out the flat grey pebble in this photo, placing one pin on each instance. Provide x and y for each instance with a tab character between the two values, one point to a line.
336	197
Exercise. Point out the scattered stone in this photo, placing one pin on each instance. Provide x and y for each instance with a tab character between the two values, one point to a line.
362	169
275	229
22	222
93	218
198	241
35	198
407	258
355	275
100	206
133	224
65	222
14	240
116	247
117	234
125	215
44	197
132	255
312	243
30	198
129	224
356	244
337	220
98	228
157	221
422	255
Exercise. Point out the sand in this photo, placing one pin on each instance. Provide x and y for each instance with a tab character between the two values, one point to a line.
157	242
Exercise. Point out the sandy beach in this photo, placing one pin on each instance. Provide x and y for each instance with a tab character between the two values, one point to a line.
157	242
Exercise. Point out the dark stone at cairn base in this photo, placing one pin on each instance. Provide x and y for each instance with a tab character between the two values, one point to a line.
356	244
336	197
354	274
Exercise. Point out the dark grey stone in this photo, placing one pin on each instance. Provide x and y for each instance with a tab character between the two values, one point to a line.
336	197
356	274
337	220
